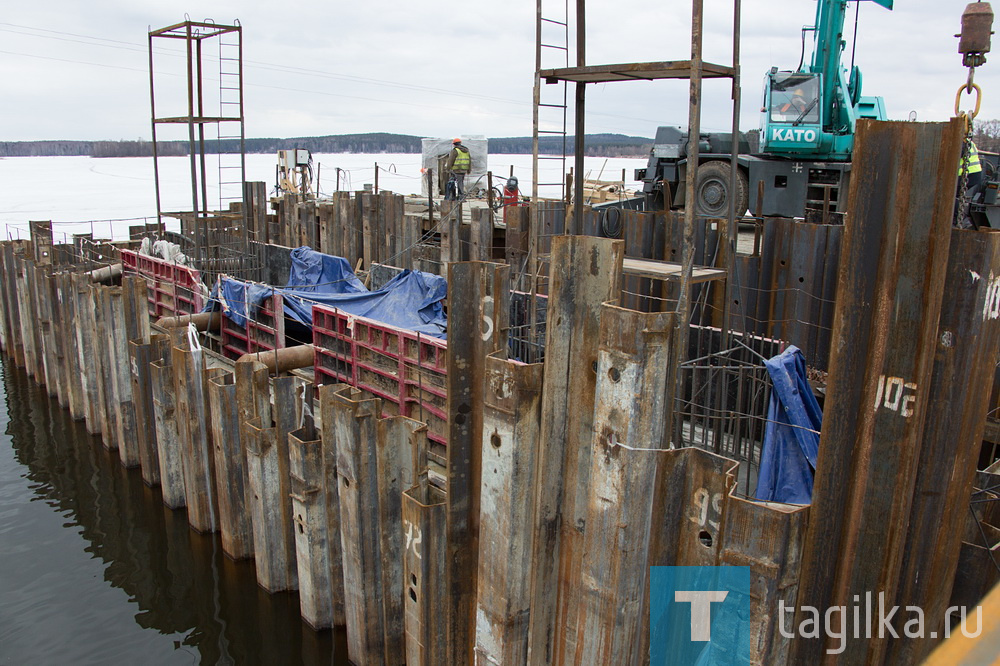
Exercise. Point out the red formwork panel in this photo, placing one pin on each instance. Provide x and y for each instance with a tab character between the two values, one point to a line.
264	330
172	289
406	369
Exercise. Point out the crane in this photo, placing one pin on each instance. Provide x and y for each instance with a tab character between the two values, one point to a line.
807	137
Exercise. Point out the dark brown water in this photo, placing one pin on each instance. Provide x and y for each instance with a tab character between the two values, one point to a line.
95	570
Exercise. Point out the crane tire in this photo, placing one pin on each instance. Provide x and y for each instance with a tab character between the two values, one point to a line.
712	190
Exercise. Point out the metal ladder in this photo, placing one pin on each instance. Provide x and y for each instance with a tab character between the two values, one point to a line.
230	137
550	100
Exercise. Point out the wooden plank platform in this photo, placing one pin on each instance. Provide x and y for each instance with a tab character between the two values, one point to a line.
634	71
665	270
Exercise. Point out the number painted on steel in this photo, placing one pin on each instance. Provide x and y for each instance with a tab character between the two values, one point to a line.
707	508
413	538
487	331
991	306
896	395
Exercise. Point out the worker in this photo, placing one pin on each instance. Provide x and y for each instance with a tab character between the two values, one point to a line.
971	165
971	169
459	164
794	107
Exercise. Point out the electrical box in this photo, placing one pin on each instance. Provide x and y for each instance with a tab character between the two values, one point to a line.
289	159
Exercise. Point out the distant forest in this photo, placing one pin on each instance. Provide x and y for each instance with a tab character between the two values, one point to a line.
598	145
986	135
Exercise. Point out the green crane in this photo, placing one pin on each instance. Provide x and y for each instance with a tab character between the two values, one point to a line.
811	112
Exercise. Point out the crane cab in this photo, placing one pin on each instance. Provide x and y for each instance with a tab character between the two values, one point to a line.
792	124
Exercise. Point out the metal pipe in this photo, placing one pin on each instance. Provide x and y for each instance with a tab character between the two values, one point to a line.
105	273
681	337
282	360
156	157
203	321
581	119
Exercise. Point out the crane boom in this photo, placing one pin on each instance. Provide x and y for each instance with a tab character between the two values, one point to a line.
828	47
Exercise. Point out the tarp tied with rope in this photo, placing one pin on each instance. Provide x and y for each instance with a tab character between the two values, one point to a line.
411	300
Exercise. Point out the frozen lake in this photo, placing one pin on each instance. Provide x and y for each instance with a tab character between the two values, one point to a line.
107	195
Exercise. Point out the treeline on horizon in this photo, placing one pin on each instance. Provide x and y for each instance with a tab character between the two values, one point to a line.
986	134
596	145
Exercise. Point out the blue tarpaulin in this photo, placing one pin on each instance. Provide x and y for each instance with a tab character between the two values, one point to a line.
411	300
788	456
318	272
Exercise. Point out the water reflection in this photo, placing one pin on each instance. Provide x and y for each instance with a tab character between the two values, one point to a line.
58	484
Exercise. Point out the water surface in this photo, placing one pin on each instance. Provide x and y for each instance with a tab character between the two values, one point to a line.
94	569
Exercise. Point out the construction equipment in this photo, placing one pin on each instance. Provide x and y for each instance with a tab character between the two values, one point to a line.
806	139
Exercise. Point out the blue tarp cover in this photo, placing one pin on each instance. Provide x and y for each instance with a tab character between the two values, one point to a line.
788	456
315	271
411	300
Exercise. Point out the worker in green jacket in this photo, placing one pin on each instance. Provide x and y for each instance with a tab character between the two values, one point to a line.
459	164
971	165
971	169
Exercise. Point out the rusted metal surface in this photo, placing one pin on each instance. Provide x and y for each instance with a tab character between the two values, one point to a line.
767	537
266	447
37	332
42	293
884	338
235	524
105	361
425	569
86	347
355	428
687	249
512	411
637	71
15	345
968	337
628	437
585	272
400	458
7	341
478	311
121	379
141	355
192	412
70	323
275	562
56	351
167	435
21	266
222	252
976	572
312	553
331	495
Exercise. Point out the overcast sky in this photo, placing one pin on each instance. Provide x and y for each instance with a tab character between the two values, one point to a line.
79	70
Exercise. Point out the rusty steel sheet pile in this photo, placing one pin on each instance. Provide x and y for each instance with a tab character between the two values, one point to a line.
590	429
